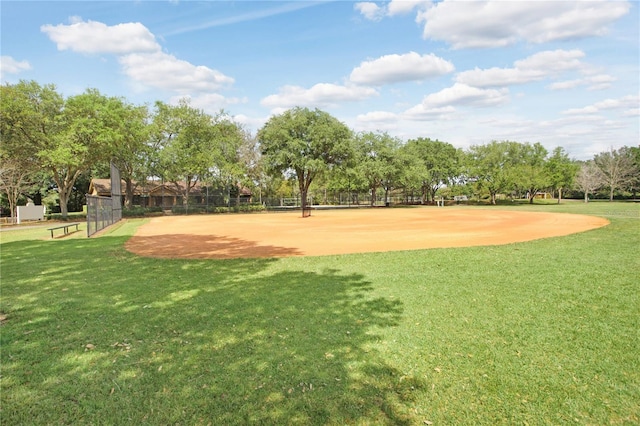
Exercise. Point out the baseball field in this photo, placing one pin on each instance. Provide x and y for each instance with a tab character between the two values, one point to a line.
346	231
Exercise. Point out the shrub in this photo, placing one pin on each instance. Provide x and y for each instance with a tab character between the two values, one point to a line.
139	211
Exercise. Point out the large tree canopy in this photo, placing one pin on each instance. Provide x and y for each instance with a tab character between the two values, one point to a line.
561	171
528	172
304	142
129	151
192	146
618	169
30	115
437	164
377	161
89	129
491	164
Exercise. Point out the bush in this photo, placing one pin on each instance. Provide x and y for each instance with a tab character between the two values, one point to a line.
139	211
200	209
187	210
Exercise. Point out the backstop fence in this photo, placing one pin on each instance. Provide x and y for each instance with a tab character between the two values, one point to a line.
99	213
105	211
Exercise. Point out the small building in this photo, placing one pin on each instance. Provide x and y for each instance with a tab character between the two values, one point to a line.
155	193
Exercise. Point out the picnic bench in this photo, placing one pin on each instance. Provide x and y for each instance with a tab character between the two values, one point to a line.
66	227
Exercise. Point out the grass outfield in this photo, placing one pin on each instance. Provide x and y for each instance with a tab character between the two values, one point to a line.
543	332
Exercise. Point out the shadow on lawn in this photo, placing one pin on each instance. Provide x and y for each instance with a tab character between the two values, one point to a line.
220	342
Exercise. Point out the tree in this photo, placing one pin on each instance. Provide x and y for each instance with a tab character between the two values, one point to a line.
233	156
129	151
192	145
589	179
85	137
490	166
15	180
438	164
377	161
618	168
561	171
635	154
250	158
304	142
30	115
528	170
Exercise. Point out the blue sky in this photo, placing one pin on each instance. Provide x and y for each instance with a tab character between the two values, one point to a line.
563	73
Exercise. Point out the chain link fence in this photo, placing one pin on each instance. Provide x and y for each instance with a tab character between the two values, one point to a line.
100	213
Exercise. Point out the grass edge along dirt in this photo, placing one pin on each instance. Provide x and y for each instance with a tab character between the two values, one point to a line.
543	332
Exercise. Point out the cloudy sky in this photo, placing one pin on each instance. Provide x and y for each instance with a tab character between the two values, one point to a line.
563	73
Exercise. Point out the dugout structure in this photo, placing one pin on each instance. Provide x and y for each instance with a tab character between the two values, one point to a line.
105	211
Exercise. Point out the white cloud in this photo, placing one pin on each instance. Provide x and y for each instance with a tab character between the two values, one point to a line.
495	23
536	67
554	61
374	12
139	54
628	103
320	95
396	68
164	71
251	123
209	102
377	121
8	65
369	10
96	37
462	94
595	82
423	112
377	117
398	7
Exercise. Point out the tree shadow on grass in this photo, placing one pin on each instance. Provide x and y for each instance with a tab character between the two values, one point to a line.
104	336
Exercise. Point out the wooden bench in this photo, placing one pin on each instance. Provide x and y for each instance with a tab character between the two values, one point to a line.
65	227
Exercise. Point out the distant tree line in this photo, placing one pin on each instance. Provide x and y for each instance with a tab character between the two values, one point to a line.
51	148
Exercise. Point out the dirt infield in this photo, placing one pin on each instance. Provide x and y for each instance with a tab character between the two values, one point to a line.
345	231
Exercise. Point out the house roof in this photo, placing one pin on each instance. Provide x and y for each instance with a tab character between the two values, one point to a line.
102	187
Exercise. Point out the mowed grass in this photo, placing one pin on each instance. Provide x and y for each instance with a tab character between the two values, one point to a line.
544	332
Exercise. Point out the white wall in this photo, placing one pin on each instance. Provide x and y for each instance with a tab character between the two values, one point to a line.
31	212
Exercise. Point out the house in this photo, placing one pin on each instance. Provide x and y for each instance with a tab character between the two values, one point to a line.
157	193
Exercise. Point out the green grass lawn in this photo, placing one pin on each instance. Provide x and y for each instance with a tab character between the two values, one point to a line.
543	332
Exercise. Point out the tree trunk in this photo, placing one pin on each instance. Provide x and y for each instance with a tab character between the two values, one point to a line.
64	199
303	199
373	196
433	191
493	198
13	207
559	195
304	182
611	194
128	199
586	197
